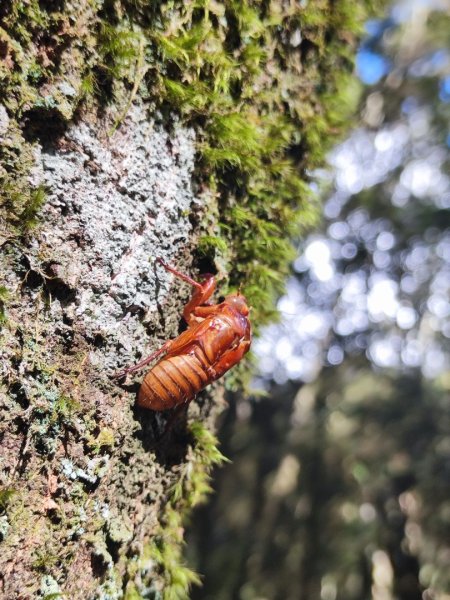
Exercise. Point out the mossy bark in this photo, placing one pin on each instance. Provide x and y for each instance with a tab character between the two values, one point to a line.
85	298
130	132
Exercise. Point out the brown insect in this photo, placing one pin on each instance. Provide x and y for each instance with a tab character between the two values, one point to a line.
217	337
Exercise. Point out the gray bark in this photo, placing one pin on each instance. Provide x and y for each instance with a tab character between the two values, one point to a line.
82	483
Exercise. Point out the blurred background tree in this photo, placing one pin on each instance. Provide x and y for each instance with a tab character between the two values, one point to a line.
340	476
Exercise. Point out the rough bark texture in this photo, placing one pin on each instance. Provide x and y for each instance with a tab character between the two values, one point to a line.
88	299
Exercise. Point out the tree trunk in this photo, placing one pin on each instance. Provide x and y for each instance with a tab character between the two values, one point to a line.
105	109
87	299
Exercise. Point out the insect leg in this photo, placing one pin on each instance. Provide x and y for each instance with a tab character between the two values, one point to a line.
203	291
205	311
230	358
179	274
164	348
199	297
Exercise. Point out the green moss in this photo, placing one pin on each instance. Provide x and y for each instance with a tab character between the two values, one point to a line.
119	48
6	495
44	559
193	484
64	409
19	202
40	89
211	243
28	216
4	295
35	37
191	489
131	592
51	414
165	551
170	578
105	439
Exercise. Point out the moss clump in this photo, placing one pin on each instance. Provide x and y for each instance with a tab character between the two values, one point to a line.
45	56
193	485
64	410
6	495
119	49
50	414
165	551
161	563
19	201
37	71
32	205
105	439
4	295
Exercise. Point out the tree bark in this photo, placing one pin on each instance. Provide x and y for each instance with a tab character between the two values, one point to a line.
86	487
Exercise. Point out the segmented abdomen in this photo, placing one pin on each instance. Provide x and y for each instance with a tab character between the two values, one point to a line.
175	380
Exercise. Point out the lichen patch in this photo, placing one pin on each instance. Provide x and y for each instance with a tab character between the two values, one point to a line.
85	298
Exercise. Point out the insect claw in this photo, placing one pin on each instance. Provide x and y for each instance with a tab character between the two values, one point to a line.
177	273
120	374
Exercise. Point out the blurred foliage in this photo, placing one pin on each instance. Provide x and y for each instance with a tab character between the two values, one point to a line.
339	488
336	490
